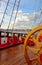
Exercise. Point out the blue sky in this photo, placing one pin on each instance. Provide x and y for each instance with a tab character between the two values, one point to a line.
30	5
26	6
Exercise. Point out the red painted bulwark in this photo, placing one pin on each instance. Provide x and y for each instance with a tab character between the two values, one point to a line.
9	41
16	40
30	42
4	44
0	40
41	58
40	38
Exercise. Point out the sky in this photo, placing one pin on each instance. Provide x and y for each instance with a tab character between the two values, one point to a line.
30	5
29	14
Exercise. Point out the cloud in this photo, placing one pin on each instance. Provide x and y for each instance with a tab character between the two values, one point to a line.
22	16
25	20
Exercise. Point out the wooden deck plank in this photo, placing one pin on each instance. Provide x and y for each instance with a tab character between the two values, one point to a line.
13	56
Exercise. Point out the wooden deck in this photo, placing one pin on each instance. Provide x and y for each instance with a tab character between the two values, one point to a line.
13	56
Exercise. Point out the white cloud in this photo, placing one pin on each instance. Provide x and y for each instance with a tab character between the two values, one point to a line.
21	16
25	20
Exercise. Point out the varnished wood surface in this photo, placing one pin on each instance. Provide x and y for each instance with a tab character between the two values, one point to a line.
13	56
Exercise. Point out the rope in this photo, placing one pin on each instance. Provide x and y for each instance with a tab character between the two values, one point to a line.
40	1
11	15
4	13
16	15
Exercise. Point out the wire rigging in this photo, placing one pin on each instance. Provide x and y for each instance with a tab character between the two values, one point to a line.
35	6
0	3
4	13
15	16
41	19
11	14
40	2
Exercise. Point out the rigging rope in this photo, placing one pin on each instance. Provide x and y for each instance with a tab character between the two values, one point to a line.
15	16
35	5
40	2
11	14
4	13
0	3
